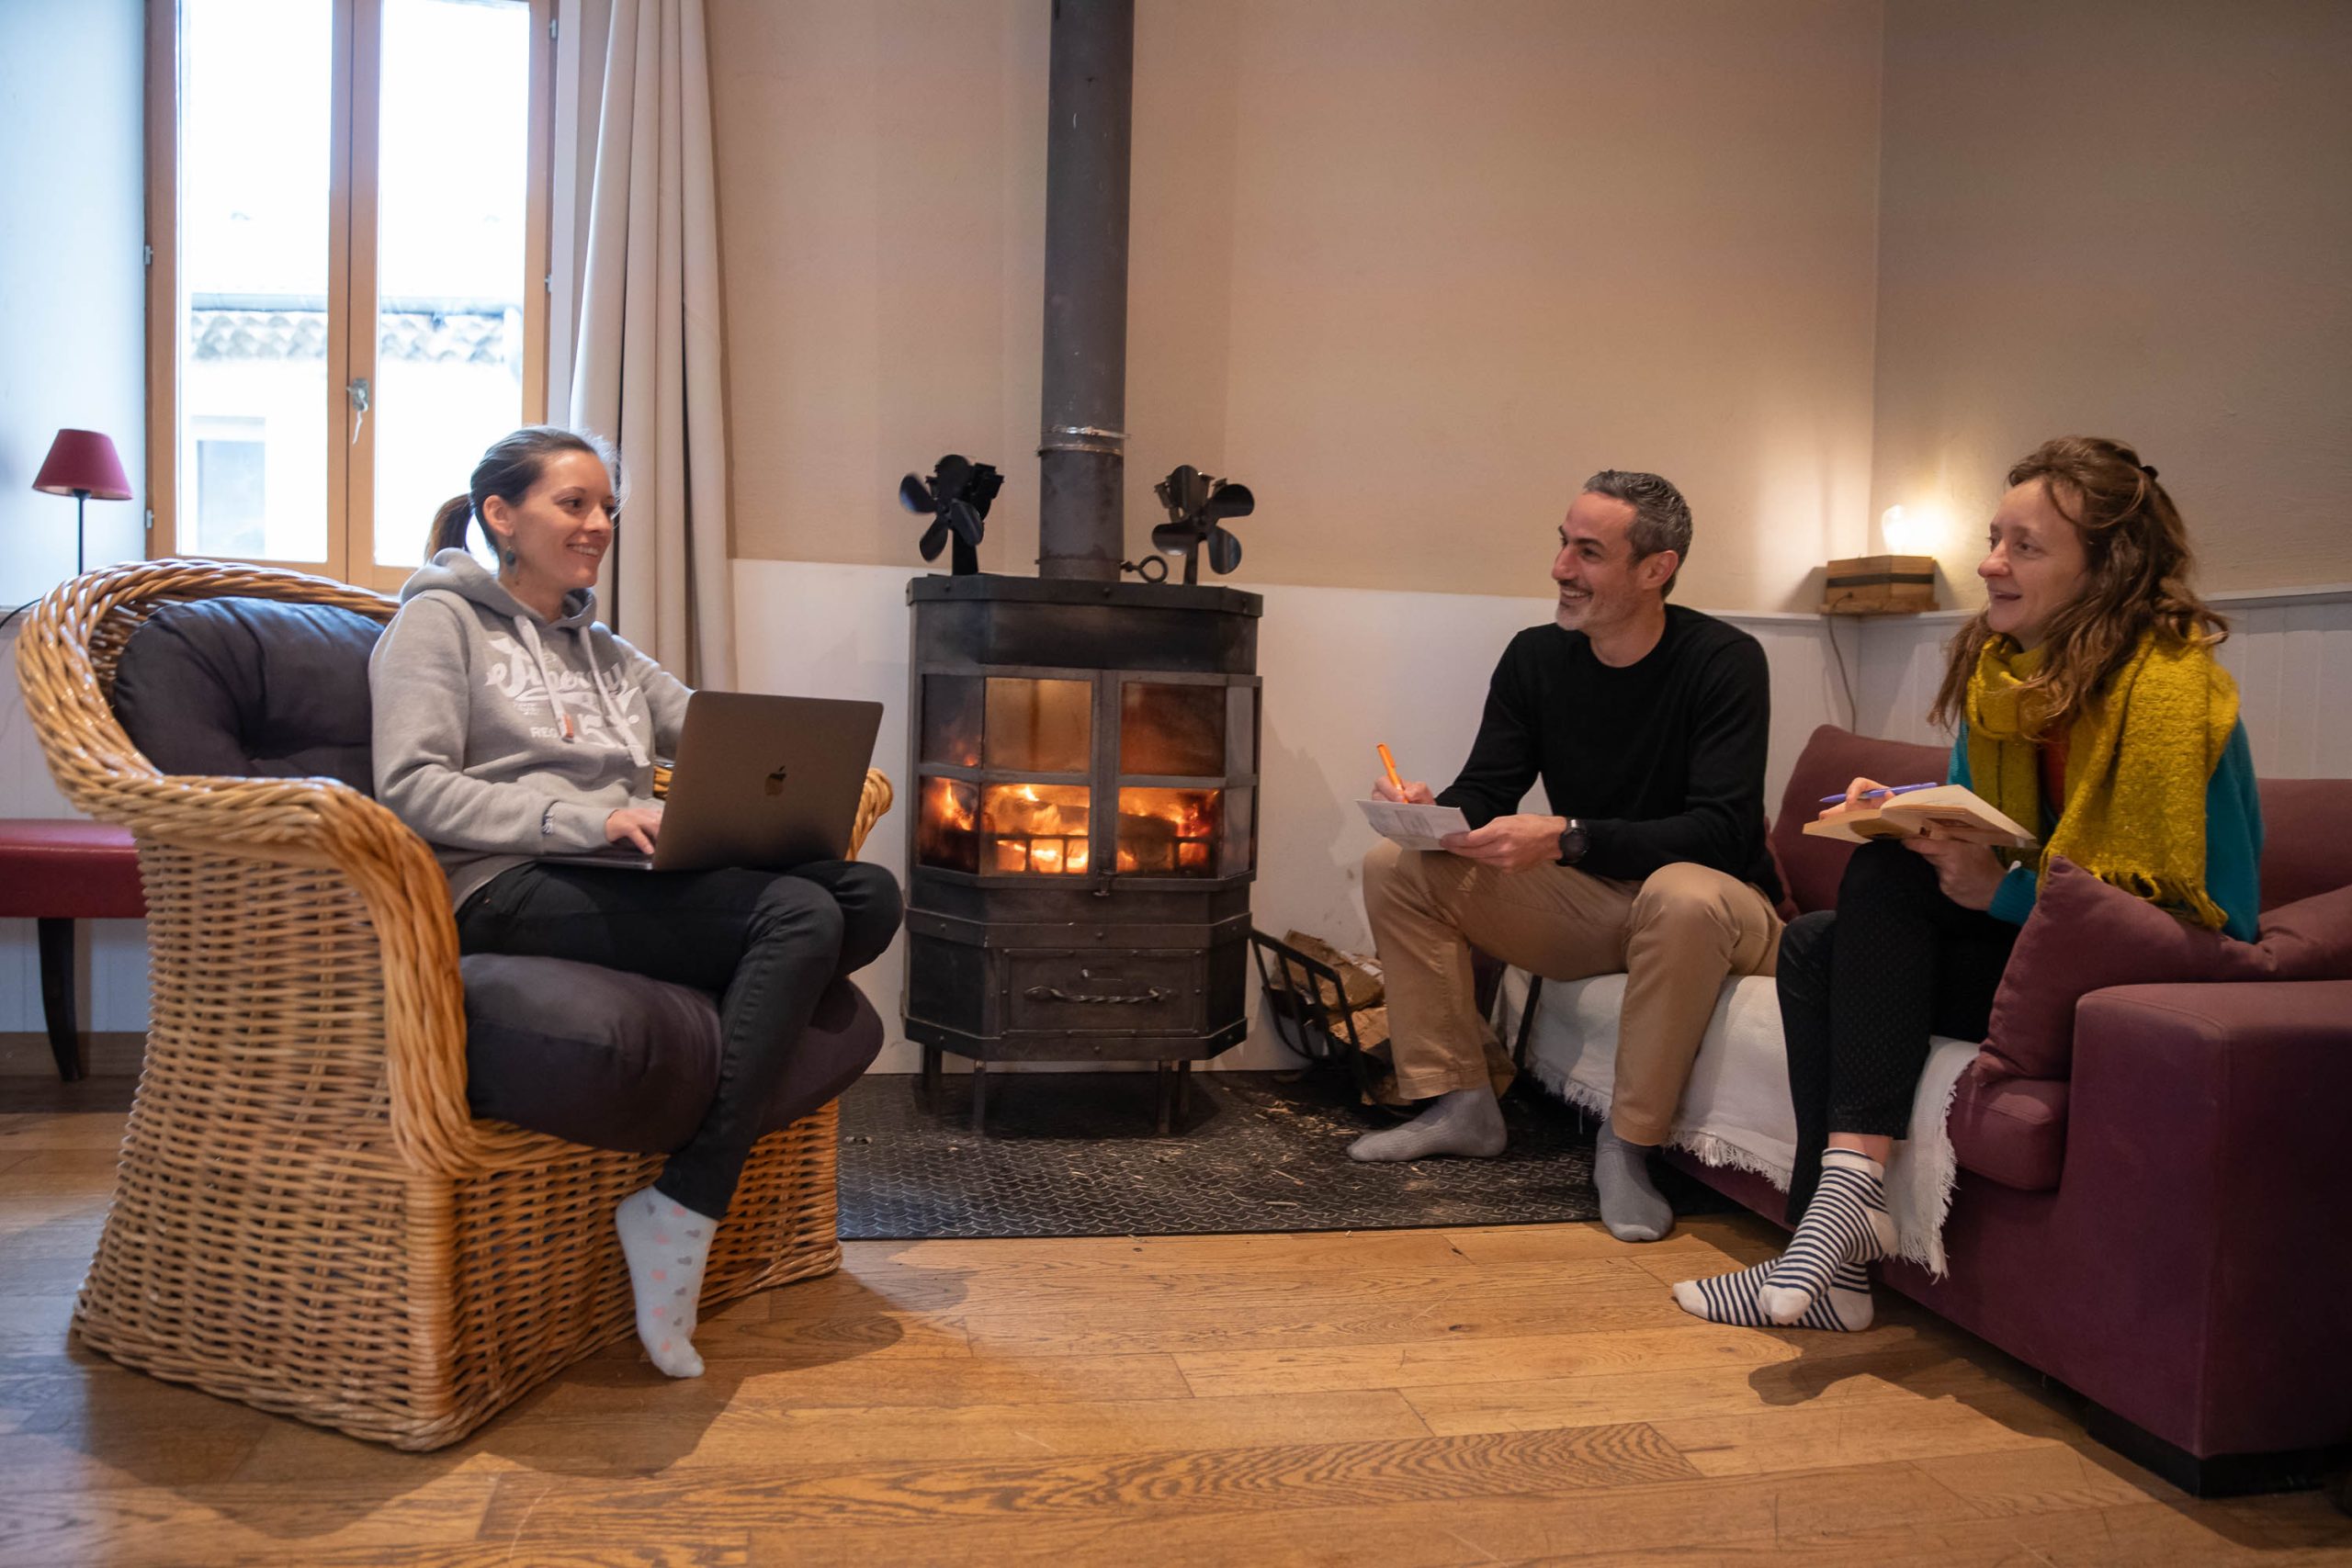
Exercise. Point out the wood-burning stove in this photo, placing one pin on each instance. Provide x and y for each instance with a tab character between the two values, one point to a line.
1085	832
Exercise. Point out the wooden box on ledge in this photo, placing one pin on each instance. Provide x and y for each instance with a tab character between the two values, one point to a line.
1879	585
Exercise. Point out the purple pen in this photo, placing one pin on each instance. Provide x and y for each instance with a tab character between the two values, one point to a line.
1868	794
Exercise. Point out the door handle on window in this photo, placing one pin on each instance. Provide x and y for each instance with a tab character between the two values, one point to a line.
357	390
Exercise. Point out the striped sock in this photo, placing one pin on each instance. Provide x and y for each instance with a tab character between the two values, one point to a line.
1846	1224
1844	1308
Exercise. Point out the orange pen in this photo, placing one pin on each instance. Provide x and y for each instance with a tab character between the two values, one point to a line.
1390	763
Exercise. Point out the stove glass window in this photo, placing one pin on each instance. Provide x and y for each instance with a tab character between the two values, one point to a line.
1039	726
951	719
1170	832
1235	852
945	837
1035	828
1170	730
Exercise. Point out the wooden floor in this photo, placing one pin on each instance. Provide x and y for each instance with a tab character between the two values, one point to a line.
1417	1397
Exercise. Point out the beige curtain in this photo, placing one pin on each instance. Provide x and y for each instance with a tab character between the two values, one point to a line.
644	365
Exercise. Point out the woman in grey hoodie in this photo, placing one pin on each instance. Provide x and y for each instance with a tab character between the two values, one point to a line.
509	724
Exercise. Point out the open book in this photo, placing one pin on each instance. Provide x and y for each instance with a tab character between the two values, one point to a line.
1415	826
1954	811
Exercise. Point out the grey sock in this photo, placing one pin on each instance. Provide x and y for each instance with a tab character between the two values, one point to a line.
1466	1121
1630	1205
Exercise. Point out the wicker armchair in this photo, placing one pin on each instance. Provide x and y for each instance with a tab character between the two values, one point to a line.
307	1218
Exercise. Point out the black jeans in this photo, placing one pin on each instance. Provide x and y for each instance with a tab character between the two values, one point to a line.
1863	985
768	942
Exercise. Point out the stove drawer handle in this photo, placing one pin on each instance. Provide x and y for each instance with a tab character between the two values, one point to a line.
1055	994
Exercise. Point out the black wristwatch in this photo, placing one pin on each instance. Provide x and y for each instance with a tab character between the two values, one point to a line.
1573	841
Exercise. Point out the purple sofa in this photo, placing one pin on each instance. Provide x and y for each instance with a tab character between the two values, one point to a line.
2162	1232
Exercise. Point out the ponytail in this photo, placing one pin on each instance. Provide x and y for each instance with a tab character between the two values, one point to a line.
449	526
508	470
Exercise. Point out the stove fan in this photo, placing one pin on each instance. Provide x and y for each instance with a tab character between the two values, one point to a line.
956	500
1197	508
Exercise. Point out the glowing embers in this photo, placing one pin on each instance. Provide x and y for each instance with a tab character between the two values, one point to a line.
1170	832
1035	828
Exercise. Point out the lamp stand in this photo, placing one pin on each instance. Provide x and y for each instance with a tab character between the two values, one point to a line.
81	552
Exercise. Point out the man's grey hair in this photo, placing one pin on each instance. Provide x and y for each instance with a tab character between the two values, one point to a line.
1661	517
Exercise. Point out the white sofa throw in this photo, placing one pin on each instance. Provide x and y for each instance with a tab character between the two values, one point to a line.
1735	1109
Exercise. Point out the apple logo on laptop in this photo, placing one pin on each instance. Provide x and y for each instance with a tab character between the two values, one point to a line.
775	782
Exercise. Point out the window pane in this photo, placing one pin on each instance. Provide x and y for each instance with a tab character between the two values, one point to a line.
1039	726
1171	729
945	837
951	719
450	222
1169	832
255	142
1038	828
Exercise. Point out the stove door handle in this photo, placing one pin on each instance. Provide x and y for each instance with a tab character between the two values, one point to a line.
1055	994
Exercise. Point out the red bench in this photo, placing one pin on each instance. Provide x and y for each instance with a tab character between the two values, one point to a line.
57	871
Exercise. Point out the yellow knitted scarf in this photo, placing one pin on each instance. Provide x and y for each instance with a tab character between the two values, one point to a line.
2138	759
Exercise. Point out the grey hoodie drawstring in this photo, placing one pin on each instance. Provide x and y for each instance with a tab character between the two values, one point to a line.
613	714
529	631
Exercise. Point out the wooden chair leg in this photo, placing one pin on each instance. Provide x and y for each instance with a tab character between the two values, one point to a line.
57	995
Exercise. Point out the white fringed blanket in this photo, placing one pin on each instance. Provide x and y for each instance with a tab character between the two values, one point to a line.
1736	1109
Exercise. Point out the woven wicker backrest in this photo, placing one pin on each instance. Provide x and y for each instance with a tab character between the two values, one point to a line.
281	912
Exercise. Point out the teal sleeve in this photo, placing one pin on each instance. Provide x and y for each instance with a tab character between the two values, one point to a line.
2234	837
2013	900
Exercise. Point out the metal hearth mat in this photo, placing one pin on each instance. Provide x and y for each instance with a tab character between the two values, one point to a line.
1067	1155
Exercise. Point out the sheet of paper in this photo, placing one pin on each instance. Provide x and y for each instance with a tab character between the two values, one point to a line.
1415	826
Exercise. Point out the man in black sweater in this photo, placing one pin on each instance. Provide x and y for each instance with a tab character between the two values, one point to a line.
1646	723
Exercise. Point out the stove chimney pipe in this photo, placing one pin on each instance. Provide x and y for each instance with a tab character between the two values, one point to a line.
1081	451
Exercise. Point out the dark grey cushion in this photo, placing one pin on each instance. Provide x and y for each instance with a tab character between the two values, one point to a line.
250	688
617	1061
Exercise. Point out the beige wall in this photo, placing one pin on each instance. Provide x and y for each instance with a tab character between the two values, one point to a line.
2129	217
1408	269
881	201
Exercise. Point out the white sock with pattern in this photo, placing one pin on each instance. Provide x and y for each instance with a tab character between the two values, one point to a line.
1846	1224
1844	1308
667	1245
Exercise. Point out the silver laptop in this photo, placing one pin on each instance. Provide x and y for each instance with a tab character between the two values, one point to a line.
762	782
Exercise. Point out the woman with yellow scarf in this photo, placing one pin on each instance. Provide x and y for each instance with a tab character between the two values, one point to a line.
2086	700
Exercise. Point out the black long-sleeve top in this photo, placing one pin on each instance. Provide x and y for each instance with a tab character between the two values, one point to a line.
1662	761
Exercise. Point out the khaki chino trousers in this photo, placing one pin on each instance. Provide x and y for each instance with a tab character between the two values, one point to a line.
1676	935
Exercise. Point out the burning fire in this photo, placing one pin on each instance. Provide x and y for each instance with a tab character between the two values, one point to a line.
949	803
1042	830
1170	832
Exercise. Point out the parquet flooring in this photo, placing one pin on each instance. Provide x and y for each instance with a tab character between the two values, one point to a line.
1389	1400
